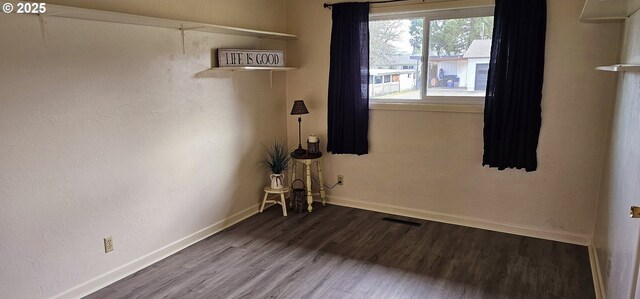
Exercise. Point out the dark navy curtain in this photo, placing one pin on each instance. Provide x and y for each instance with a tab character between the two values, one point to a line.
512	114
348	102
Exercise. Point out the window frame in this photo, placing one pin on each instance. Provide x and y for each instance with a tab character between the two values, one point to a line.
428	16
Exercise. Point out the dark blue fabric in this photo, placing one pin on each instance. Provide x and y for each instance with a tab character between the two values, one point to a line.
348	101
512	114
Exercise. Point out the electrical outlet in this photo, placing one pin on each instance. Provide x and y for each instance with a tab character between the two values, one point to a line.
608	273
340	180
108	244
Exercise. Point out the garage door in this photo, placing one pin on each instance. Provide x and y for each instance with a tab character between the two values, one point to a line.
482	72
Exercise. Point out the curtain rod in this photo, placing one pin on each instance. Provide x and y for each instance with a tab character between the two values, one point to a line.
328	5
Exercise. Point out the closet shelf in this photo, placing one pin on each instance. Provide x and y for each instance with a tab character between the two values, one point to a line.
123	18
620	68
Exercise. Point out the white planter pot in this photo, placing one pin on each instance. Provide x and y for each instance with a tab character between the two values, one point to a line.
277	181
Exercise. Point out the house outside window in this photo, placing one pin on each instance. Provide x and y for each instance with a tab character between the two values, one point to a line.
457	44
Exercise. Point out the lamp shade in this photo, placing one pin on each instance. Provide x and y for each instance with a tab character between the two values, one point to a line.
299	108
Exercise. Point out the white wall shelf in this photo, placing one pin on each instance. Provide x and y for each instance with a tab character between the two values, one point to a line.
612	19
251	68
608	11
212	71
271	69
123	18
60	11
620	68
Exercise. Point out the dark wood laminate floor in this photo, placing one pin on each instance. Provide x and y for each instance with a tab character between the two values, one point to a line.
338	252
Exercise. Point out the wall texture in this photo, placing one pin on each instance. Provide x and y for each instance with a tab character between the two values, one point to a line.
107	132
429	163
616	235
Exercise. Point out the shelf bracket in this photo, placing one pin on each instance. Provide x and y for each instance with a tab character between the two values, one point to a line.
182	35
233	80
43	32
271	79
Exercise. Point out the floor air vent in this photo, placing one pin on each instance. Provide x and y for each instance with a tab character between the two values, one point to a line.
405	222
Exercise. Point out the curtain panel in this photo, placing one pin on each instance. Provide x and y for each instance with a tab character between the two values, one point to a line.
348	101
512	115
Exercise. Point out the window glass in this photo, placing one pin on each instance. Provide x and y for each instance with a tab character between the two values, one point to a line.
395	50
459	51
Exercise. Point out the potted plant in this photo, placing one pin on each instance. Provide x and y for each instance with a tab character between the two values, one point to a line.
276	163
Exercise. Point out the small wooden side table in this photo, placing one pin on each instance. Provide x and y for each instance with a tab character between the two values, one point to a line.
307	162
267	191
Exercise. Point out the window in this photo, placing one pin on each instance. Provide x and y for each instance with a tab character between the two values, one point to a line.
457	45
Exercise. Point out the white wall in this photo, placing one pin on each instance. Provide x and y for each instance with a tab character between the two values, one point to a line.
429	164
107	132
616	235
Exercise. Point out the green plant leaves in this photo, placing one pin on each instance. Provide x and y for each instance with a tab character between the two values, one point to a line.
277	158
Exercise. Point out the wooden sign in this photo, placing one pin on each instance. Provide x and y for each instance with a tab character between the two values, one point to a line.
240	57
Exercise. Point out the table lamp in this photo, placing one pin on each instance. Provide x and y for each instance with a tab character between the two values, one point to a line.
298	109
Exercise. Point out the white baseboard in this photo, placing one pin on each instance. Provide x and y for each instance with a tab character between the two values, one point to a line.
125	270
553	235
596	273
